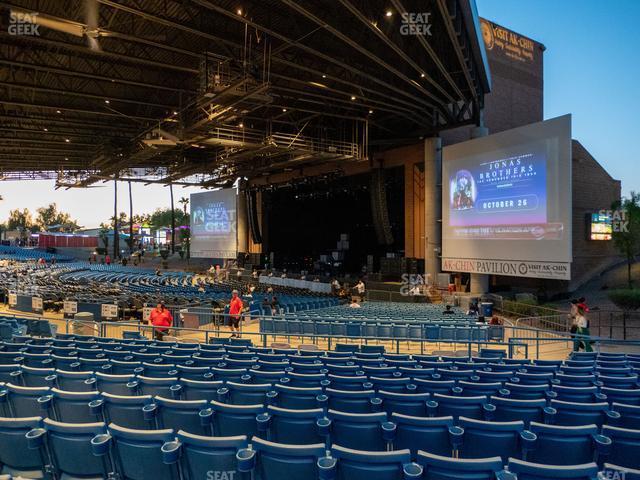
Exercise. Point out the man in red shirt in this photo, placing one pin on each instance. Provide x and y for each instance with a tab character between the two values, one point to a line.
235	309
161	319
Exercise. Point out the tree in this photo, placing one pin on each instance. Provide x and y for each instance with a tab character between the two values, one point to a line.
626	235
104	235
185	203
50	216
20	220
162	218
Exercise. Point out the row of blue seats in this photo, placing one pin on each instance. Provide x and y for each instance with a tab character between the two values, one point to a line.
97	451
395	331
483	383
17	401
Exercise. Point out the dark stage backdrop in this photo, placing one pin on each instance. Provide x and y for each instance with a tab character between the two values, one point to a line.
304	221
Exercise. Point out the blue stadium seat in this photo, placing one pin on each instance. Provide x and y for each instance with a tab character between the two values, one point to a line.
437	467
125	411
200	390
351	383
36	377
76	381
398	385
570	413
533	471
24	401
366	431
71	450
246	394
200	455
562	445
193	416
352	402
434	434
73	407
159	370
412	404
16	458
444	387
577	394
625	449
630	415
116	384
527	392
348	464
121	367
473	389
494	439
139	454
307	380
296	427
446	405
274	461
6	372
621	395
233	420
262	377
298	398
511	410
163	387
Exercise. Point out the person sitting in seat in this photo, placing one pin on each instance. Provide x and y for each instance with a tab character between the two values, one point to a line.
354	303
161	319
448	311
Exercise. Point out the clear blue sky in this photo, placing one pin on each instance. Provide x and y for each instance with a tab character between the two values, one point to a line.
591	70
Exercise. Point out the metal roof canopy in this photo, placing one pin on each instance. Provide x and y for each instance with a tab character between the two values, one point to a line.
201	92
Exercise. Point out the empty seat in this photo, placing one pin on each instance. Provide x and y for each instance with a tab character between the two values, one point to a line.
474	389
433	434
36	377
571	413
70	447
351	464
276	461
352	402
201	455
625	449
23	401
125	411
75	381
533	471
621	395
298	398
16	457
233	420
510	410
366	431
444	387
163	387
193	416
138	454
446	405
562	445
307	380
73	407
116	384
630	415
493	439
576	394
199	390
413	404
297	427
246	394
437	467
352	383
527	392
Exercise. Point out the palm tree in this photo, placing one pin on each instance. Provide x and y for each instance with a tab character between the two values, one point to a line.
184	201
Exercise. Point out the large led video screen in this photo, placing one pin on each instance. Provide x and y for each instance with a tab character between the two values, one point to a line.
506	202
214	224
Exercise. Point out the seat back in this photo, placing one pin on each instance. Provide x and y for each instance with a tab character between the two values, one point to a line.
14	449
412	404
200	390
277	461
156	386
297	398
490	439
428	433
570	413
138	453
23	401
437	467
361	465
114	384
470	407
363	431
510	410
70	449
561	445
630	415
244	394
201	455
75	381
126	411
297	427
73	407
625	448
183	415
233	420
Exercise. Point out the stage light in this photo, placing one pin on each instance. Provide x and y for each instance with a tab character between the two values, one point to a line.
239	11
175	113
241	125
66	158
46	129
107	102
370	111
353	97
284	109
67	140
422	75
388	13
324	76
58	111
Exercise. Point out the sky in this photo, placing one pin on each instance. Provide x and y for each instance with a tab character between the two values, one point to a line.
591	70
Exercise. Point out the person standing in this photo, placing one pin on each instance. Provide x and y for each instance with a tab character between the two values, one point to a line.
235	311
161	319
107	259
360	289
582	333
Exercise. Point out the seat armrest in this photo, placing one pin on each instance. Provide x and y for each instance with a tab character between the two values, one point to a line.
411	471
100	444
35	438
171	452
149	412
327	468
264	422
246	460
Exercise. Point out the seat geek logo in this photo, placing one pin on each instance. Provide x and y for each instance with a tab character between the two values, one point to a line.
415	24
23	24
